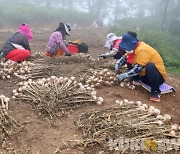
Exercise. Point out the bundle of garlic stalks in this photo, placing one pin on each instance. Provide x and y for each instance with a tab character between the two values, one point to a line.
101	63
128	120
76	58
22	71
55	96
8	125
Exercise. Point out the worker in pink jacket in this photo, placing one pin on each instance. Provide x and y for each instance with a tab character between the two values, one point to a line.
57	41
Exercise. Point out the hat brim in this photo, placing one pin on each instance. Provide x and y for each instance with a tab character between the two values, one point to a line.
67	30
107	45
128	42
127	45
112	39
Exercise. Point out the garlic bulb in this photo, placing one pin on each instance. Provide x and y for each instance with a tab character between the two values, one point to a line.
142	108
150	111
14	91
6	99
160	117
138	103
131	102
157	111
132	87
159	122
152	108
13	97
125	101
145	106
99	103
119	102
174	127
167	117
122	84
94	97
100	99
173	133
93	93
73	78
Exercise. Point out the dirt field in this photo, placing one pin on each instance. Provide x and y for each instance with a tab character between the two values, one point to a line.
41	137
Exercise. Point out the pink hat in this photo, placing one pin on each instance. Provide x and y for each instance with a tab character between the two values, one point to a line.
25	29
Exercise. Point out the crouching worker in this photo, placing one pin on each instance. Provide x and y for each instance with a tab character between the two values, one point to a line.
16	48
112	44
147	65
57	41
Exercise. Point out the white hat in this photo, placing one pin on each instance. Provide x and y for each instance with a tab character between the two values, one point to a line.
109	39
67	29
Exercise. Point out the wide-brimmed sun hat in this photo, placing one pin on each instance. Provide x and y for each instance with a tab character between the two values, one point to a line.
67	28
128	42
109	39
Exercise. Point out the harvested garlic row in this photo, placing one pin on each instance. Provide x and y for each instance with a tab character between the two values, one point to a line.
4	102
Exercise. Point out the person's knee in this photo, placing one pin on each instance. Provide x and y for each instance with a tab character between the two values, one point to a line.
150	67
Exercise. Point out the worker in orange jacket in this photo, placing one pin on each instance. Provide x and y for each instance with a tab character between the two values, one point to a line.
147	65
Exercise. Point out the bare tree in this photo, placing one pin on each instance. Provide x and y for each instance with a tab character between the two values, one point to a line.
164	14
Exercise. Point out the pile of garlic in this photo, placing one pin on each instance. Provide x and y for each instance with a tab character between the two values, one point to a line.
102	77
56	94
174	129
127	84
10	68
88	56
4	102
53	81
38	54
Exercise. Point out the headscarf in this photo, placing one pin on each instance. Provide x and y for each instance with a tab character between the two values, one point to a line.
25	29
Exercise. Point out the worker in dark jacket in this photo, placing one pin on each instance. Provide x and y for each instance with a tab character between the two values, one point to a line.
16	48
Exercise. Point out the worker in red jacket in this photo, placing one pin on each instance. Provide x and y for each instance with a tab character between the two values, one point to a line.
112	43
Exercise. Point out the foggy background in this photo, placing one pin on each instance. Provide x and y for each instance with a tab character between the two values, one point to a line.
158	14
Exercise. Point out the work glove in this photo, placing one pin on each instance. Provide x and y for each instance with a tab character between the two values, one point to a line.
103	56
116	67
122	76
1	54
67	54
120	62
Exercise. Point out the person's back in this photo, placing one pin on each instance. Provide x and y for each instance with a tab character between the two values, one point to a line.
16	48
17	38
146	54
148	66
56	37
56	42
